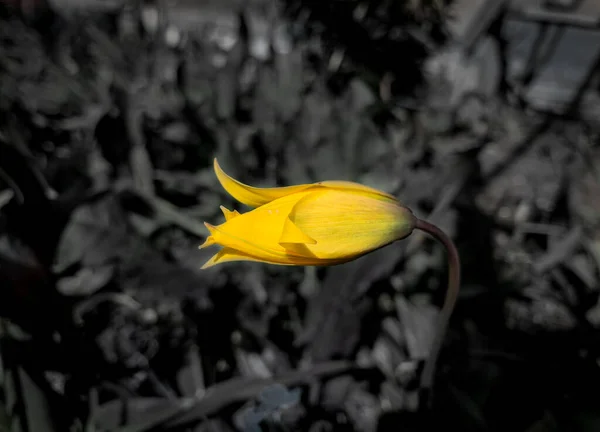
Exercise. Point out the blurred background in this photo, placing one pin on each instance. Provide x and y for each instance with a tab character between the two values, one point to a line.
481	116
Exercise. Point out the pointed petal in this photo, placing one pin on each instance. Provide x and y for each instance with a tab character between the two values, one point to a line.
210	240
252	196
257	233
228	213
227	255
255	197
230	255
292	234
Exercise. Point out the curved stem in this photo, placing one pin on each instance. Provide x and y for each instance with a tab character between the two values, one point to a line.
428	374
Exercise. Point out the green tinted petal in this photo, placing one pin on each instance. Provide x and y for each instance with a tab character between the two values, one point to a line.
346	224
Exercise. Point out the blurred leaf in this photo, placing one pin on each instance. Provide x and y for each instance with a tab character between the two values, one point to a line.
216	398
141	166
86	281
5	197
290	69
540	171
190	378
333	318
27	405
226	91
144	414
272	399
95	234
39	418
419	324
277	396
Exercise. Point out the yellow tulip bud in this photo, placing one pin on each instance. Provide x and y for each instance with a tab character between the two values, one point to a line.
324	223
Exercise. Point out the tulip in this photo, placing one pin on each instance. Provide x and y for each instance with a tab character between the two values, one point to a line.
324	223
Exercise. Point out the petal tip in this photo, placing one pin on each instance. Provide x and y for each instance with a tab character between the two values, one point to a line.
208	264
213	261
218	170
229	214
210	240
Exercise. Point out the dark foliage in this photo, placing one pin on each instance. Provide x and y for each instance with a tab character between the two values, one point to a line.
481	118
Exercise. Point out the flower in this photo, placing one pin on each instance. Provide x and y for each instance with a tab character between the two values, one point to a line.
323	223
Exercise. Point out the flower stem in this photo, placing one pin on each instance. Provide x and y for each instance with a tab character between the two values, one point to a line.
427	377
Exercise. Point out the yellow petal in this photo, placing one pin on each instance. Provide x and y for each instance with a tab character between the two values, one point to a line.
346	224
258	232
255	236
349	186
252	196
292	234
256	197
227	255
228	213
210	240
